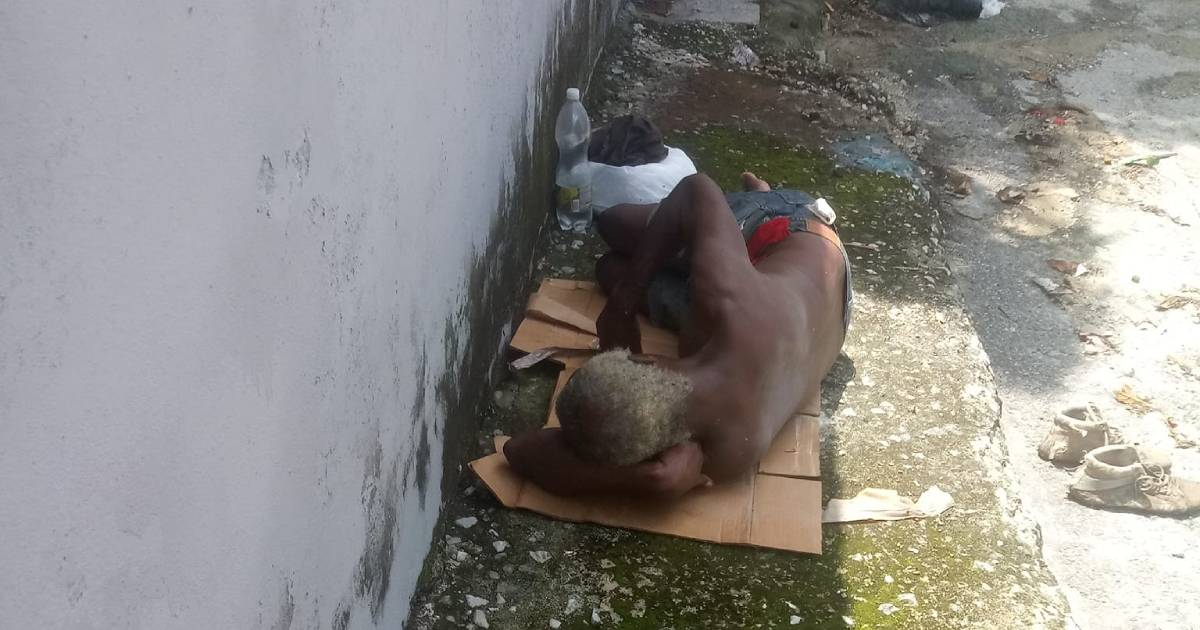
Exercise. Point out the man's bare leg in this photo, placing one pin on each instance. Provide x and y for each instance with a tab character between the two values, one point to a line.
752	183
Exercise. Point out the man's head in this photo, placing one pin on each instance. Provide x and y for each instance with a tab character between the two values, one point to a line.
615	411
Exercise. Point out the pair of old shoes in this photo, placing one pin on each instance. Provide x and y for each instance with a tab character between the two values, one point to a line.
1115	476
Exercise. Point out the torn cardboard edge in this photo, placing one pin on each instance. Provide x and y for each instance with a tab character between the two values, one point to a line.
759	511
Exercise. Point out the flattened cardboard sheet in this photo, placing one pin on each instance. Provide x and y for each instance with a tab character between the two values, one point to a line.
778	508
759	511
560	313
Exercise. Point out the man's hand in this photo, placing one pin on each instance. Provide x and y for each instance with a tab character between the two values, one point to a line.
542	457
617	325
679	469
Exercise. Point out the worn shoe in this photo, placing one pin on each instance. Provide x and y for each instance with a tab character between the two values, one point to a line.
1076	431
1123	478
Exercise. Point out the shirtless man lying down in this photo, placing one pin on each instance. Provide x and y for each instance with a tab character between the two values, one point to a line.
757	286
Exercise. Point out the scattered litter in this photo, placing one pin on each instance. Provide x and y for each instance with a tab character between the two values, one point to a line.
500	546
596	616
1040	77
875	153
1010	194
479	619
1148	161
744	56
983	566
875	504
1132	401
848	620
555	624
887	608
1073	269
871	246
466	522
887	579
607	564
540	556
1051	287
908	599
991	8
1097	343
794	620
476	602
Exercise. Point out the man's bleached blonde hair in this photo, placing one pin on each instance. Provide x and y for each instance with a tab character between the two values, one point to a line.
615	411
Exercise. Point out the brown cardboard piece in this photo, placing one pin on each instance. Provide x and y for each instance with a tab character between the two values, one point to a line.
779	507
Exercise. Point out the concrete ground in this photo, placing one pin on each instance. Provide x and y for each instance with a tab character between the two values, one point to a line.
911	403
1060	96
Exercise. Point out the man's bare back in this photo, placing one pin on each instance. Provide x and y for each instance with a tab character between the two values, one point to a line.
757	341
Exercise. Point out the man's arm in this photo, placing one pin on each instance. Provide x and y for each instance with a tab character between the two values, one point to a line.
694	216
543	457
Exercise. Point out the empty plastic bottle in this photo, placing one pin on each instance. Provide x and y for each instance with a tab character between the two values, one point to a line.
574	176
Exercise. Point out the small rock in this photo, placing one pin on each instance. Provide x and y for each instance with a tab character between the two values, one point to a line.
540	556
476	602
887	579
568	270
908	599
556	624
983	566
1136	279
500	601
607	564
499	546
480	619
466	522
744	56
461	556
849	620
596	615
572	606
794	620
887	608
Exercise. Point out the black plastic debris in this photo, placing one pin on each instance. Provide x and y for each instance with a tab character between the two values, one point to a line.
929	12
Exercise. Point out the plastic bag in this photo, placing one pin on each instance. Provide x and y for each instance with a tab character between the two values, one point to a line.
647	183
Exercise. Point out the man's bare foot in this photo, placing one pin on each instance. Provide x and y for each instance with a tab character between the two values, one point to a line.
751	183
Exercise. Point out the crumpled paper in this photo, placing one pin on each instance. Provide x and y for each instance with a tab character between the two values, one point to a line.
876	504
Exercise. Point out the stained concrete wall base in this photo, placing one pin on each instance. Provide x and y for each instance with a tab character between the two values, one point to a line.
256	264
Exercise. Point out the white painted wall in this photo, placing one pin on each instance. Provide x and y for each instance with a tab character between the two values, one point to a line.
231	237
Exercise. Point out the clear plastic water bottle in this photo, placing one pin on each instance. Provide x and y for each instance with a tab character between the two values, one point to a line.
572	132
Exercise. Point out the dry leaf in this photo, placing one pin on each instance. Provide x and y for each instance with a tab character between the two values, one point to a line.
1132	401
1177	300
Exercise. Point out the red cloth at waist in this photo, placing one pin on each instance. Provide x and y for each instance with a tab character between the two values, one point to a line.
774	231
